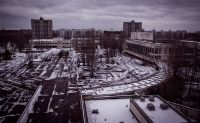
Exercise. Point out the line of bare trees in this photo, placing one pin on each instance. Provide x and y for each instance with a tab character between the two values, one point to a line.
186	72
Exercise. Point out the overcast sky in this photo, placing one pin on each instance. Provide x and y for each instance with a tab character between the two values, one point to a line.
102	14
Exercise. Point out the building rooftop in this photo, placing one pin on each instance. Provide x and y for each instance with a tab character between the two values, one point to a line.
150	106
130	109
53	39
109	111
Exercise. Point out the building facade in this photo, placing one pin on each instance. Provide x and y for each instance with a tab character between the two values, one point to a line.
132	26
78	33
181	52
130	109
42	29
154	109
166	36
83	33
50	43
84	44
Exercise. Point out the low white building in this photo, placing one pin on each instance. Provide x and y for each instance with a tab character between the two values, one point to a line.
108	111
130	109
154	109
50	43
142	35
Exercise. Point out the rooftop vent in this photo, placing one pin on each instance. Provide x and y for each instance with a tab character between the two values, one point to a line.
164	106
151	107
142	99
151	98
95	111
121	122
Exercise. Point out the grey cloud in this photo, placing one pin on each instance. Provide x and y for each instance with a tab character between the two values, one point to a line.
104	14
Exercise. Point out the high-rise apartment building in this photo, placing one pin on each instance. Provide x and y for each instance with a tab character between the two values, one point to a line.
127	29
132	26
41	29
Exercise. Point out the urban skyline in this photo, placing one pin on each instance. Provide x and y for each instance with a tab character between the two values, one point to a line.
91	61
106	15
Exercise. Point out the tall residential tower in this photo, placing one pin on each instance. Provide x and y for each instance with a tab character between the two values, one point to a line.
41	29
132	26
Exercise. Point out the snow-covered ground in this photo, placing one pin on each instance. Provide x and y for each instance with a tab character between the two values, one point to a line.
159	77
125	74
49	54
123	70
12	65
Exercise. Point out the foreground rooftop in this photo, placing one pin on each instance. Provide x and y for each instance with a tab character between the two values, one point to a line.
156	110
128	109
109	111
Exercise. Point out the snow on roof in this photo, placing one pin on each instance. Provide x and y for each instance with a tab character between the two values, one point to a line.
37	60
52	39
48	53
159	115
109	111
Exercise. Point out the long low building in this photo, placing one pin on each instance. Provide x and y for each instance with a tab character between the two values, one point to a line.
142	45
50	43
154	109
130	109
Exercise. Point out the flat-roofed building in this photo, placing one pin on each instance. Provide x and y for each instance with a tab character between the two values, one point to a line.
127	29
83	33
50	43
167	36
130	109
108	111
41	29
84	45
141	45
132	26
142	36
153	109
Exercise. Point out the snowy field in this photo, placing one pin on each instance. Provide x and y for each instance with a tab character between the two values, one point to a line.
150	81
124	73
18	81
123	70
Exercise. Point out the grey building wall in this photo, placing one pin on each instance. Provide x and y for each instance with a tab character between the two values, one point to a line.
41	29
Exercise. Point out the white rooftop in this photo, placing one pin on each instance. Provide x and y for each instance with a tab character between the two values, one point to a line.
52	39
110	111
159	115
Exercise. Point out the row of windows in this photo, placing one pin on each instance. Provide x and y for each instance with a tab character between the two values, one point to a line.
147	51
44	32
180	50
49	43
142	49
170	50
